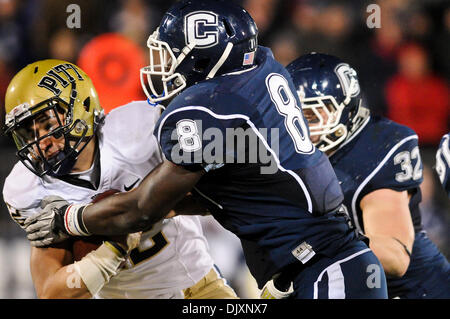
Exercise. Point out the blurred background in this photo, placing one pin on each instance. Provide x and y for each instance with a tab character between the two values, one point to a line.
403	66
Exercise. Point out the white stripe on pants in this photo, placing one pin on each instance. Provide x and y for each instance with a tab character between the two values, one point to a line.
336	285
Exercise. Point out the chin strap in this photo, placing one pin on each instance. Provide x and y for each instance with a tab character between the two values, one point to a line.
221	61
185	52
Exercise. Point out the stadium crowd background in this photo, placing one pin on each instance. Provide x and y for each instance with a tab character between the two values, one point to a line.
403	67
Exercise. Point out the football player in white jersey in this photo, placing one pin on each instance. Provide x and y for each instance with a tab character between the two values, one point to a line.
68	148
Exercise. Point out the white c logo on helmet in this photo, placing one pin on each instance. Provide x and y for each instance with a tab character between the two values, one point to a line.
205	38
346	76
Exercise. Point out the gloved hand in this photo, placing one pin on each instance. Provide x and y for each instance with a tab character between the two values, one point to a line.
270	291
48	226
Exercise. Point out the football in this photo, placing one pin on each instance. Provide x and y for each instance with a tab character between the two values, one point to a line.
83	245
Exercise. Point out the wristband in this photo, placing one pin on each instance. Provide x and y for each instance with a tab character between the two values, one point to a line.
73	220
117	247
97	267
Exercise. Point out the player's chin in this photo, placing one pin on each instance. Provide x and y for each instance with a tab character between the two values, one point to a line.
53	158
54	150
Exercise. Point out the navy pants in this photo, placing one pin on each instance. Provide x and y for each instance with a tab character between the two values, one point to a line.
354	273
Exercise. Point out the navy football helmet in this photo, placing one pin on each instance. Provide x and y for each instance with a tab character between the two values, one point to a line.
197	40
330	94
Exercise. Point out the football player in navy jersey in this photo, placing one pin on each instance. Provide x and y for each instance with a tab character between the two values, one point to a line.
378	165
443	162
235	137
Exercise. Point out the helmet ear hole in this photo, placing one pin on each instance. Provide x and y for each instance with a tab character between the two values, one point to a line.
228	29
87	104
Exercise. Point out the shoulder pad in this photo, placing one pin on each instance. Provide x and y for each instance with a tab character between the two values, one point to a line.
20	190
129	131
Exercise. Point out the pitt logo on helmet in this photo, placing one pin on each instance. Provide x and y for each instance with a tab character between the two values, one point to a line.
51	103
49	80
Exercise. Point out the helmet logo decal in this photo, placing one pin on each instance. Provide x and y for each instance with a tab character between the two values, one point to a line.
52	78
347	78
201	28
249	58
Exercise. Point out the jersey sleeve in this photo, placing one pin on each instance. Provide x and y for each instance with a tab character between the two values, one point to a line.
196	137
20	194
19	215
400	169
443	162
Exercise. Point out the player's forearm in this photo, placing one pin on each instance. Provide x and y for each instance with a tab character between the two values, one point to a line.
63	284
391	253
116	215
86	277
125	213
139	209
53	273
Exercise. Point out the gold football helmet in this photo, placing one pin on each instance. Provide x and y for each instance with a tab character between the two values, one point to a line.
51	99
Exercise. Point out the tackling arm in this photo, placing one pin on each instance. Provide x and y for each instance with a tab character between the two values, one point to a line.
388	224
119	214
139	209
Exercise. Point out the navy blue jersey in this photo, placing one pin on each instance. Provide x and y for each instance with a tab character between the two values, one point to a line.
384	154
443	162
428	274
276	191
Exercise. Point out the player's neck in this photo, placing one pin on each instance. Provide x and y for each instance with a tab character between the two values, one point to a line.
86	157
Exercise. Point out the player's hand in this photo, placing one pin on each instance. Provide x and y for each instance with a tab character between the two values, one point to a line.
47	227
270	291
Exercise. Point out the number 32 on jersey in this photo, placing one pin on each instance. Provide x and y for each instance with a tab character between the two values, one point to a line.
405	160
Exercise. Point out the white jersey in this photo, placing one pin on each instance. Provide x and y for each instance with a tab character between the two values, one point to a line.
173	255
